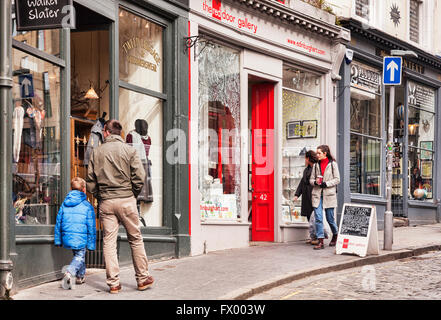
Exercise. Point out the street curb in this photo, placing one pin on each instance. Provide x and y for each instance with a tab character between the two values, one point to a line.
251	290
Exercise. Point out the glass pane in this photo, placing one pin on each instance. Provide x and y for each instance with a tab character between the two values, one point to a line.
219	133
365	113
140	51
301	81
421	128
147	138
44	40
36	140
301	133
365	165
421	136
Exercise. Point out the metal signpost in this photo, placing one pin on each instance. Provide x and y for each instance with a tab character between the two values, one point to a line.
392	67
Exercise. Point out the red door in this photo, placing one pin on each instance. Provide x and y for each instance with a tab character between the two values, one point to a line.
262	180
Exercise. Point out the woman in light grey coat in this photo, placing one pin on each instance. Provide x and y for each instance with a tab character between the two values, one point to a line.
325	177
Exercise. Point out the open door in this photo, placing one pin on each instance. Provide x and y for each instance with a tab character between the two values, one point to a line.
262	180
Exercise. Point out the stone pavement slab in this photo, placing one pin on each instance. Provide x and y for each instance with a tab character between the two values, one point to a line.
236	273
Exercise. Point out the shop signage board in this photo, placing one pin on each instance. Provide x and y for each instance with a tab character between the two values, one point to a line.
392	67
365	77
358	230
44	14
260	28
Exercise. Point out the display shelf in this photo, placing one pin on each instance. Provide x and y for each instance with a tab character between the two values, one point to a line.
292	172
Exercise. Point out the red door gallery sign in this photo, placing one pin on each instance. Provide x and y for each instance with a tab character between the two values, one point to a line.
358	232
225	15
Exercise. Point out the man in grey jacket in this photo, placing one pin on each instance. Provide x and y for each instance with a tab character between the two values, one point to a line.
115	176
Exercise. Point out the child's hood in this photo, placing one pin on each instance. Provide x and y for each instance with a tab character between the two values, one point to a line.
74	198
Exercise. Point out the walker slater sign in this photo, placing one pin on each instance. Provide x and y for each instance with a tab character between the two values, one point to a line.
44	14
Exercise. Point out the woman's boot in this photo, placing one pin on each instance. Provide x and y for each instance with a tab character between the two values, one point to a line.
320	244
333	241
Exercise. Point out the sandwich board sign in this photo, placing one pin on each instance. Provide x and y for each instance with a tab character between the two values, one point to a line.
358	230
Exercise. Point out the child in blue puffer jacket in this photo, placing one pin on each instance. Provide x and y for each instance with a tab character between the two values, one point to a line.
75	229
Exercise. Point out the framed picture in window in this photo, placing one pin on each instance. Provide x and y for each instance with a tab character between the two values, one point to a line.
426	184
426	169
286	213
294	130
309	129
426	155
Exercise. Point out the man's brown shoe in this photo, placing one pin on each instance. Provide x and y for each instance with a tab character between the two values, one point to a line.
146	284
115	289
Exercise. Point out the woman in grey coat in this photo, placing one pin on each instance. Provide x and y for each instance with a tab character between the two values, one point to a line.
325	177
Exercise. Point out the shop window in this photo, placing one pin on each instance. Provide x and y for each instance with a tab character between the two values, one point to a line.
140	51
36	140
421	137
141	111
365	130
219	132
301	132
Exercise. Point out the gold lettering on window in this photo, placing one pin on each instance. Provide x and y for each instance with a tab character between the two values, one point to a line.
136	42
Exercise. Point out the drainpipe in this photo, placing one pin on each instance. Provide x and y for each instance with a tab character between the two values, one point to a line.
5	148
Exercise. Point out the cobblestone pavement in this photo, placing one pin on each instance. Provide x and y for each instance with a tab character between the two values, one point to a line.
414	278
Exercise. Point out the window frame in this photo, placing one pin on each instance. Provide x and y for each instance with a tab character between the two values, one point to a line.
383	135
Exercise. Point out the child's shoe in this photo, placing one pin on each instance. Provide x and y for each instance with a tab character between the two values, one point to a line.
68	282
80	280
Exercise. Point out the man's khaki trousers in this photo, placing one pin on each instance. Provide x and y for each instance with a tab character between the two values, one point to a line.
112	212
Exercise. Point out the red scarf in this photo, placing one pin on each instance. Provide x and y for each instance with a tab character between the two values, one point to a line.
323	164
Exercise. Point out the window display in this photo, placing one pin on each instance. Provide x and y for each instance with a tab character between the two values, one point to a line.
36	140
365	137
219	133
421	137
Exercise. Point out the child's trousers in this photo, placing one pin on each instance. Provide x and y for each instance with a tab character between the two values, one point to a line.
77	267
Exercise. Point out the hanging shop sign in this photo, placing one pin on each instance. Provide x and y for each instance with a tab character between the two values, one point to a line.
44	14
358	230
365	77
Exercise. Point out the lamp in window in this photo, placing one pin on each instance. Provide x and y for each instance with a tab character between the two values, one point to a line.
91	94
412	129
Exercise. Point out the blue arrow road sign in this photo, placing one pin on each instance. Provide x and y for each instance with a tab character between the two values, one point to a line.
26	82
392	67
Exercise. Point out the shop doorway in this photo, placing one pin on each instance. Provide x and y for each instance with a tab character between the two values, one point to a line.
90	100
262	160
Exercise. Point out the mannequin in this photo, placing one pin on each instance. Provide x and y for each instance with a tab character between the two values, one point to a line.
96	138
142	142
